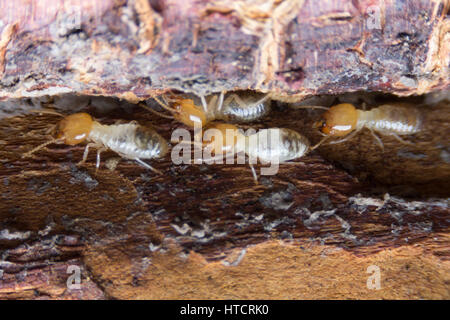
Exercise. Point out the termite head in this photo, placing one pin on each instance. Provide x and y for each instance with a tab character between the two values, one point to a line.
339	120
75	128
221	138
188	113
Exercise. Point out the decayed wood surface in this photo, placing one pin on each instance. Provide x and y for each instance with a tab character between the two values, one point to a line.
311	231
290	48
204	231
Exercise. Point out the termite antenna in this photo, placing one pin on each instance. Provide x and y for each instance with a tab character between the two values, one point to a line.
263	99
164	105
162	115
319	143
51	129
48	111
29	153
309	107
146	165
194	143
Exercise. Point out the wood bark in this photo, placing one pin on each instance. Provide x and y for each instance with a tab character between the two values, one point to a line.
292	49
208	231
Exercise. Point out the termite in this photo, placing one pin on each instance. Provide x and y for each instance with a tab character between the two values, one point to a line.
344	120
243	107
131	140
274	145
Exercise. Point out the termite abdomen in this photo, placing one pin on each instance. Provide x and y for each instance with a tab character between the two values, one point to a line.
295	145
149	140
278	144
391	119
245	107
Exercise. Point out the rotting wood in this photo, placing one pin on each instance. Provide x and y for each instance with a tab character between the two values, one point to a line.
292	49
208	231
198	215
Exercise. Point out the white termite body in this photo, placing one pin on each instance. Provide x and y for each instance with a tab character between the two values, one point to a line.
231	107
274	145
130	140
388	119
237	107
344	120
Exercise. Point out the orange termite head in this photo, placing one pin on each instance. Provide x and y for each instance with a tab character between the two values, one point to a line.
221	137
188	113
339	120
75	128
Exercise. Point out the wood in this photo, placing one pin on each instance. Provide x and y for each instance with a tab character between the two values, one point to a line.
204	232
292	49
199	217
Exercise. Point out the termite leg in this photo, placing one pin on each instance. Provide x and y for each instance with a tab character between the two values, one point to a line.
204	104
380	143
348	137
165	98
222	157
214	159
99	151
86	151
294	163
253	172
396	136
194	143
221	97
162	104
146	165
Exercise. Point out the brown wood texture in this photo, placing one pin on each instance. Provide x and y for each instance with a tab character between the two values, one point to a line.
141	235
200	231
291	49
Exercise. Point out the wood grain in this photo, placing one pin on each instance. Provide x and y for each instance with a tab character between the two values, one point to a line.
208	231
129	227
